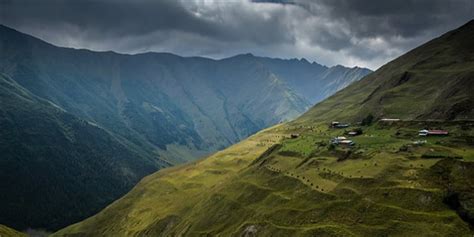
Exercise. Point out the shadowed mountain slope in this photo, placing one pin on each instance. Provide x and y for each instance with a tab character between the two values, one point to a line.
56	167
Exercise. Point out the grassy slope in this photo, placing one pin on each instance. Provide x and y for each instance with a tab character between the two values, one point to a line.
433	81
274	186
175	190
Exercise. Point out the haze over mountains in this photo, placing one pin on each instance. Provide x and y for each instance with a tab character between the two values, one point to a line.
88	125
289	181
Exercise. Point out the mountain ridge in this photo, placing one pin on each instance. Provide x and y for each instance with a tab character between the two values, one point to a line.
163	57
7	28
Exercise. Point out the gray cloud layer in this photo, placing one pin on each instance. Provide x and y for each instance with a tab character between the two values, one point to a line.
349	32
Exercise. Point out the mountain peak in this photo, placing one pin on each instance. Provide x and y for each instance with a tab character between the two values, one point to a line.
245	55
303	60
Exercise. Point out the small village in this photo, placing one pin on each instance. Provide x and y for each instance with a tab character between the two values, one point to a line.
343	141
348	131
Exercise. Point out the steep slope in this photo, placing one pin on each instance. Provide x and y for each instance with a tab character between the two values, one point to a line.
433	81
311	80
337	78
55	167
274	184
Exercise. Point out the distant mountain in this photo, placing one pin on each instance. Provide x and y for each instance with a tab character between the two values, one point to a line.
155	109
300	75
276	183
168	103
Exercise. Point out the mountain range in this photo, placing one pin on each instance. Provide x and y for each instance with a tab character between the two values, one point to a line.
293	180
88	125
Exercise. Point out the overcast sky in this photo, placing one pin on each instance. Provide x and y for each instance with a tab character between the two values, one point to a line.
366	33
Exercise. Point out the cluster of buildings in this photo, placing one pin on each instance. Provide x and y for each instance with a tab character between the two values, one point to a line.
344	141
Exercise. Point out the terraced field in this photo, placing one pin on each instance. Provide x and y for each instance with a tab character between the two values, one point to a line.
273	185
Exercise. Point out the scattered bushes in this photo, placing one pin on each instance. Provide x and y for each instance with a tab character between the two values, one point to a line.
405	148
290	153
431	155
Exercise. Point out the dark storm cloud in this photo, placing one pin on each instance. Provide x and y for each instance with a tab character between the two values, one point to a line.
113	18
406	19
364	32
104	20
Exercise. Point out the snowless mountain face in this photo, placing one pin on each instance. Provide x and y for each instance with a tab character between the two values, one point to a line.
166	103
155	109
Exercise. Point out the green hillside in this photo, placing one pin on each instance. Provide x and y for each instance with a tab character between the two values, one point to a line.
433	81
390	183
258	187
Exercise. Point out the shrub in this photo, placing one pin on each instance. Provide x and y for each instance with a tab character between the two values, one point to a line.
331	147
367	121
